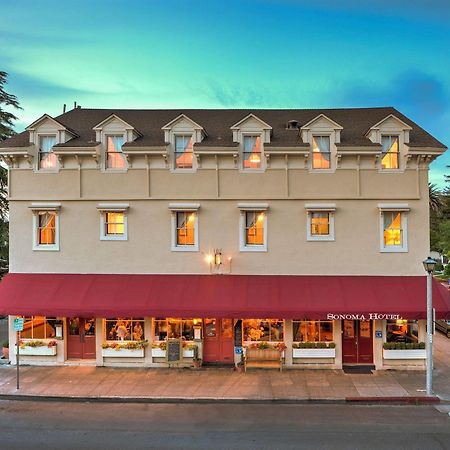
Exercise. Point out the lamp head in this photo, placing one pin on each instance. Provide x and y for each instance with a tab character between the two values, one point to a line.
429	265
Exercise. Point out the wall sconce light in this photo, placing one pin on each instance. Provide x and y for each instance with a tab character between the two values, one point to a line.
217	257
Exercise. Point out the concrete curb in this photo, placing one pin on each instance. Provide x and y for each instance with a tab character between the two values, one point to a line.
407	401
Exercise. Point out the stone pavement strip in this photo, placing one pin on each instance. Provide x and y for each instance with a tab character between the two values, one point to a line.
88	382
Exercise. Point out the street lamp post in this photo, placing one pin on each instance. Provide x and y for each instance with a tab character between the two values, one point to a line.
429	265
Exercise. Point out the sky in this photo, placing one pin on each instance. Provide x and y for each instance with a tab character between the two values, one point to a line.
231	54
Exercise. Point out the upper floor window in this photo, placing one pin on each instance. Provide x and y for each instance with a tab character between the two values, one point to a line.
115	159
46	230
252	152
253	231
113	226
184	230
47	159
390	152
394	231
321	153
320	226
183	152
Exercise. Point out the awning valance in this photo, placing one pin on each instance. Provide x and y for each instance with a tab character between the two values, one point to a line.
227	296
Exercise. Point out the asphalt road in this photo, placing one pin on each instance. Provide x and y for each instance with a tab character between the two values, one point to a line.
48	425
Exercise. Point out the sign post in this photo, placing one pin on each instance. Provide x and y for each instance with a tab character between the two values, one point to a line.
18	327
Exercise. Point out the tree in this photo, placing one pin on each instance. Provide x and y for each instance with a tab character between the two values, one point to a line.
435	198
6	131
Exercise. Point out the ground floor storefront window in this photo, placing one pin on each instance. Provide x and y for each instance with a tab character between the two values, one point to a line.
124	329
402	331
269	330
38	327
171	328
312	331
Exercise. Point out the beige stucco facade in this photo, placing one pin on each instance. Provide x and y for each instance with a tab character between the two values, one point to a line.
354	188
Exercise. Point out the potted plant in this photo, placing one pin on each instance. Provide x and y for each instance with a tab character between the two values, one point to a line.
196	361
6	350
404	350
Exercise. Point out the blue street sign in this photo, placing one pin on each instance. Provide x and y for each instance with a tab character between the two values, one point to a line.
18	324
238	350
378	334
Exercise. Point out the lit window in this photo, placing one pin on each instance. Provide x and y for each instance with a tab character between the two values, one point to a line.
394	236
38	327
402	331
174	329
46	230
254	227
321	154
124	329
115	159
269	330
113	225
312	331
390	152
252	153
47	159
183	152
320	226
184	231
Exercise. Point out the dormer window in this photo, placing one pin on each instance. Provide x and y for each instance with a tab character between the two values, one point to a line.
252	152
115	159
183	154
321	154
390	152
47	159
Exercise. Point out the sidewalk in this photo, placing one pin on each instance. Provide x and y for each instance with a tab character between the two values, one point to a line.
93	383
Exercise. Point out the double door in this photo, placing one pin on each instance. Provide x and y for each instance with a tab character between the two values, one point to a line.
80	338
218	341
357	343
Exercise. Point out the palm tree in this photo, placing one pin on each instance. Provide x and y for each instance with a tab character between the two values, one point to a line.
435	198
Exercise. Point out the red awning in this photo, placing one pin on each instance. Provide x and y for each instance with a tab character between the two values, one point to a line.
233	296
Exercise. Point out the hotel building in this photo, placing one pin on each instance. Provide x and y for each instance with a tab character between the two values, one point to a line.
302	229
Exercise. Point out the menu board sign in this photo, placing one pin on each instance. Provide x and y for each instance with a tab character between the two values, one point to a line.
238	333
174	349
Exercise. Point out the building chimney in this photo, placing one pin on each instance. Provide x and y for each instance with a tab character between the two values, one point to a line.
64	108
74	105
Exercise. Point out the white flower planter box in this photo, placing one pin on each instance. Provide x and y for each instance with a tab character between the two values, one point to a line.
123	353
188	353
158	353
405	354
313	352
36	351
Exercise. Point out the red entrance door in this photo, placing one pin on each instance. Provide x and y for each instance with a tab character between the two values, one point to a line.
357	345
80	338
218	341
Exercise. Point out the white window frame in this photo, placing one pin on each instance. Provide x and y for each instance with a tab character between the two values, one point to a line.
174	167
51	208
403	209
263	159
186	208
311	153
251	207
399	168
105	152
38	158
108	208
324	237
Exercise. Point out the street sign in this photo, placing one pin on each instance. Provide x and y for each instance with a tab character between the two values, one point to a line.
18	324
238	350
378	334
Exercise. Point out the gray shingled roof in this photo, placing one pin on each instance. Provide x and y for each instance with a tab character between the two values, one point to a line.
217	122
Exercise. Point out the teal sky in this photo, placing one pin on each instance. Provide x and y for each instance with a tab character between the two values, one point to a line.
230	54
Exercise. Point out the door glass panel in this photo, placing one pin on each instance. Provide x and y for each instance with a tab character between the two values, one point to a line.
74	326
210	327
227	328
89	327
364	329
349	329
